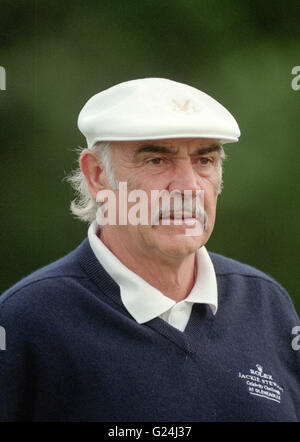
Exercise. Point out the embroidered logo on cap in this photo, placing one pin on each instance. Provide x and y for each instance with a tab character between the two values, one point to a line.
262	384
186	107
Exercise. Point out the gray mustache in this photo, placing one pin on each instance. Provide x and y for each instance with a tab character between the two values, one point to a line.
188	207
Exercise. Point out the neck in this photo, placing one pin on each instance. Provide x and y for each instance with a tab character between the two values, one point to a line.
173	277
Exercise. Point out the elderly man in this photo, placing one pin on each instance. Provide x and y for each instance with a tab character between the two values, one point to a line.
140	322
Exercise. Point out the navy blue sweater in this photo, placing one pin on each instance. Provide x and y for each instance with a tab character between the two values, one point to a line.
73	352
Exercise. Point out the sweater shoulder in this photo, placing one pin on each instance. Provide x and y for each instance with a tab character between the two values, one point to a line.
225	266
264	284
52	276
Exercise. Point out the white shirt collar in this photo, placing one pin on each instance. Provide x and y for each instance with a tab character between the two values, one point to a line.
143	301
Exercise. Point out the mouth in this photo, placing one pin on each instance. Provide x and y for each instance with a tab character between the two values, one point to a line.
178	218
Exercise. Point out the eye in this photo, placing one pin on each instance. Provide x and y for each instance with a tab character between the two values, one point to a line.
155	161
204	161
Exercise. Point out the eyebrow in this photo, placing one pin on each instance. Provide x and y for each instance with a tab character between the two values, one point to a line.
153	148
207	149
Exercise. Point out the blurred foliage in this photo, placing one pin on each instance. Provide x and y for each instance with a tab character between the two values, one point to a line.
57	54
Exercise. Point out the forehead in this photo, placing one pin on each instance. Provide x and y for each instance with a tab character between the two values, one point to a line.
186	145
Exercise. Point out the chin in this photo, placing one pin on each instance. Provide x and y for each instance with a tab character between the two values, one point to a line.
173	241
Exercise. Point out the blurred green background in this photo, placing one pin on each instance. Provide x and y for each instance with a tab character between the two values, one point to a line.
59	53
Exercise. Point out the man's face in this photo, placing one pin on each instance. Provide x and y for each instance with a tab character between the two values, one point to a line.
173	164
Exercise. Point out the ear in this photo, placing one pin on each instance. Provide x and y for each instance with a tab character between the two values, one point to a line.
93	171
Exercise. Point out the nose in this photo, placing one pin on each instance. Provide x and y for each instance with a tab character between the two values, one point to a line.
184	177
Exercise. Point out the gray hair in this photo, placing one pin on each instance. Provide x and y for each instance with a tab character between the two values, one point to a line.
222	158
84	205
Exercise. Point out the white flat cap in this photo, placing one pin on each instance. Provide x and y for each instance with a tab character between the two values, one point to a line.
155	108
